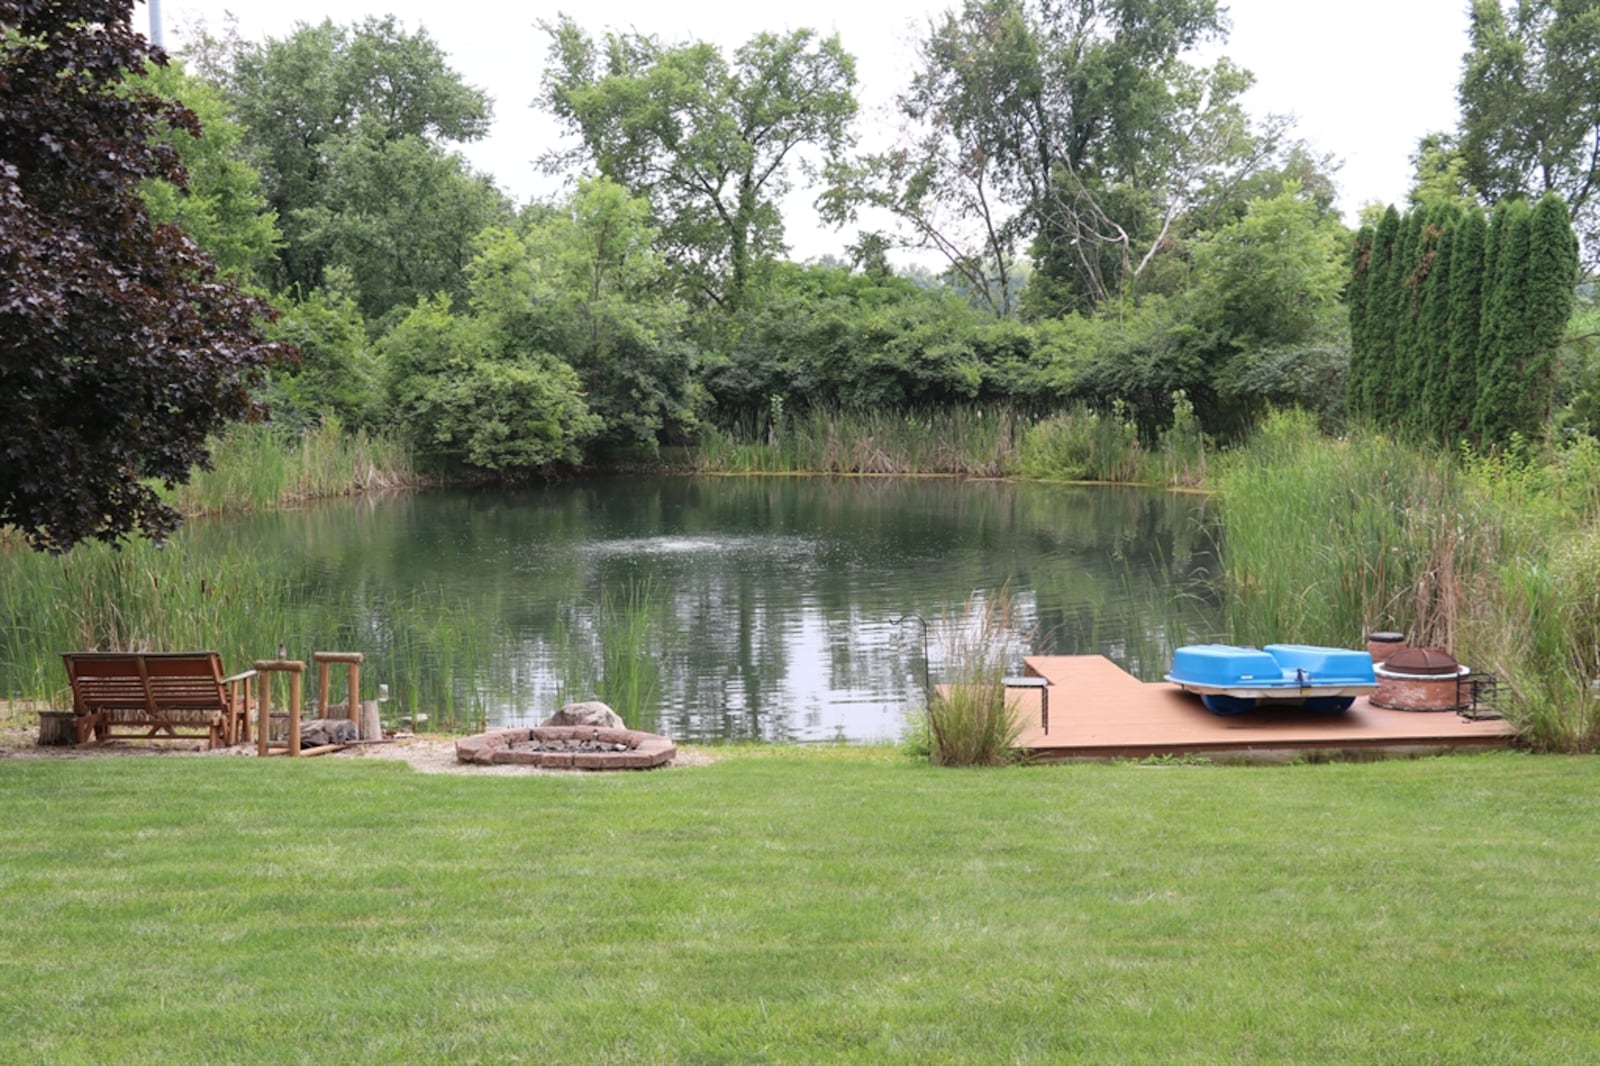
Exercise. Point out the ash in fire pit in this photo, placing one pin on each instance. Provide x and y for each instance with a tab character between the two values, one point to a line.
567	748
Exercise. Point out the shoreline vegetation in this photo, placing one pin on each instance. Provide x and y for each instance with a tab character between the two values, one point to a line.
1326	539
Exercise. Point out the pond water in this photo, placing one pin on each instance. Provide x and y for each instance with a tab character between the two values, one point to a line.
793	609
776	609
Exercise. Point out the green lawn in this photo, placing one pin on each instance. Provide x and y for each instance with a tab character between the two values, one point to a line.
800	906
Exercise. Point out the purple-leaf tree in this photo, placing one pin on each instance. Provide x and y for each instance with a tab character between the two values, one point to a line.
121	349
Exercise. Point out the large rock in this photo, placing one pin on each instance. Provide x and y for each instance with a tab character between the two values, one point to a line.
320	731
592	713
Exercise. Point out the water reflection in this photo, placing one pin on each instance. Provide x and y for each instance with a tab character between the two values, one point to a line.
773	603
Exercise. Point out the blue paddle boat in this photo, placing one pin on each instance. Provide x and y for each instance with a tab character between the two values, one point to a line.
1230	680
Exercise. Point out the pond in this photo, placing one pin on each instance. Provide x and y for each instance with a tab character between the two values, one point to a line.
774	609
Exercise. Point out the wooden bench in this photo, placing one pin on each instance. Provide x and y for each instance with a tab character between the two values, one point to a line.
158	696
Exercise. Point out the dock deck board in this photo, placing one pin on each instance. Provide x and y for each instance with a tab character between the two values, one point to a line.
1098	710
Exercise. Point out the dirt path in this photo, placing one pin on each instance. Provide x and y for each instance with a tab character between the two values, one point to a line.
427	754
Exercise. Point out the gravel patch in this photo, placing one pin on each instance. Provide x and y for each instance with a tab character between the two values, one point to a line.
428	755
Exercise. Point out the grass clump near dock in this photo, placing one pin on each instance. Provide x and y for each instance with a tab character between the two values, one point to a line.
778	907
969	720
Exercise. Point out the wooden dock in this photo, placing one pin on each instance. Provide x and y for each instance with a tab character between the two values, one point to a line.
1096	710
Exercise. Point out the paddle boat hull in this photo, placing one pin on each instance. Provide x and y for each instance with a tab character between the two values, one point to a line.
1230	680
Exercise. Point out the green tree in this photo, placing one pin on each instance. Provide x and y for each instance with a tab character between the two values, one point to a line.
1267	296
1396	400
709	140
586	284
822	336
1076	129
351	128
1439	173
1526	376
222	206
1466	308
121	349
1530	106
1383	304
1504	270
1274	277
399	217
338	372
1433	369
1358	300
467	394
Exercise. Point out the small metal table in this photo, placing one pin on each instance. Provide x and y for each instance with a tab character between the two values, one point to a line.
1040	683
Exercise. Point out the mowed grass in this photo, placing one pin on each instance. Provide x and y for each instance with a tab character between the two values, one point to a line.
797	907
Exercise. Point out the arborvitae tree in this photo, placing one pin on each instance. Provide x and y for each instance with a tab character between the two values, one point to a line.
1454	332
1502	407
1549	290
1360	287
1466	302
1488	321
1394	394
1382	307
1434	367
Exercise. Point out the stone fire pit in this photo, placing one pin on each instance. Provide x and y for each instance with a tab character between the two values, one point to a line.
561	747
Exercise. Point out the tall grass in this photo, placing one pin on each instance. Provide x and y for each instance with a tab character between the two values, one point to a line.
146	598
1181	453
612	651
1084	445
1329	539
969	720
1495	559
970	441
1076	444
262	467
259	467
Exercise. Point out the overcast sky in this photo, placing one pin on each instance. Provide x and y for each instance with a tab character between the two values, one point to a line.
1364	78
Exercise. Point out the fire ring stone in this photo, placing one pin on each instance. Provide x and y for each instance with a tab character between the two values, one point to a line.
567	748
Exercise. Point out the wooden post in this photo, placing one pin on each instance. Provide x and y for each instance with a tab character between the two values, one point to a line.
265	668
263	705
352	660
294	709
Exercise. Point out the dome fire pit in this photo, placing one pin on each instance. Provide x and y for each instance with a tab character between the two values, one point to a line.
565	747
1420	679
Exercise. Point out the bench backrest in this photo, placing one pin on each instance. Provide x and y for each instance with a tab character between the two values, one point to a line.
103	681
111	681
186	680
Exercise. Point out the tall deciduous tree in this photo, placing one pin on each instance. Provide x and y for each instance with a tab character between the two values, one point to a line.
710	140
352	129
1077	126
468	393
121	349
586	284
1530	106
223	207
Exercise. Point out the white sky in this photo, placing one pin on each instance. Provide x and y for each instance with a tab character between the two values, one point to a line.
1364	78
